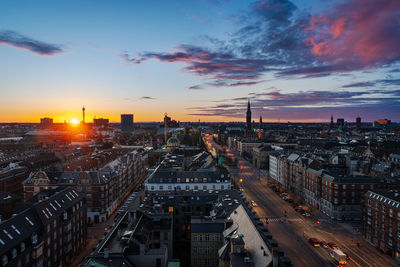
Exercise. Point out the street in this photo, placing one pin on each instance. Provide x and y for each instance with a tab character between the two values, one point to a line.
293	230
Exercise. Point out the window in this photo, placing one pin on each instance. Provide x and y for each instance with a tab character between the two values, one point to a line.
14	253
48	228
204	187
383	208
4	260
344	194
34	239
207	238
362	186
194	237
200	237
353	186
222	187
344	186
22	247
194	250
161	187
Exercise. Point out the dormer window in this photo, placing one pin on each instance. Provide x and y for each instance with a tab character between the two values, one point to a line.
34	239
14	253
4	260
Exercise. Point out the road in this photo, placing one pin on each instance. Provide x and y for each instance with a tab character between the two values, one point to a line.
288	230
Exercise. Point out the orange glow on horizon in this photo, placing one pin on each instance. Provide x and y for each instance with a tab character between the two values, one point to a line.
74	121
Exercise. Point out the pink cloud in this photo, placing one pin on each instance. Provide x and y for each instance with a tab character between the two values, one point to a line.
365	33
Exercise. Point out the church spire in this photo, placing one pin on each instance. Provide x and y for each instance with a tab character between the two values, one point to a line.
248	117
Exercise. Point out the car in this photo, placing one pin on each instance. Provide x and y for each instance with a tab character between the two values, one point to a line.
324	244
333	246
314	242
254	204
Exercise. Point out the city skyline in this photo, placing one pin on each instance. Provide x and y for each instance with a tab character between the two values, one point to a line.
297	61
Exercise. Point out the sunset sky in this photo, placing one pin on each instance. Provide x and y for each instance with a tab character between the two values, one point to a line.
294	60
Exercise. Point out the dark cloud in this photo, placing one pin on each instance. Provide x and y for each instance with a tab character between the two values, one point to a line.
19	41
196	87
382	82
276	37
360	84
147	98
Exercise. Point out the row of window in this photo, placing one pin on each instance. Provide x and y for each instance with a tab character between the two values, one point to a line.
206	237
205	187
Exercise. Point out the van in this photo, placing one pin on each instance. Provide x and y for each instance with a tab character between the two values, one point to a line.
339	256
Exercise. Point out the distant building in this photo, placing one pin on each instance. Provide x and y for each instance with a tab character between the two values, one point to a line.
248	117
380	123
100	123
340	122
12	177
358	123
127	122
46	122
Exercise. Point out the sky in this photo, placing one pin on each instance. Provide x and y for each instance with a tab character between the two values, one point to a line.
299	60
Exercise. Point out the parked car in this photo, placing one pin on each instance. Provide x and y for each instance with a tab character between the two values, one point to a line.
314	242
333	246
324	244
254	204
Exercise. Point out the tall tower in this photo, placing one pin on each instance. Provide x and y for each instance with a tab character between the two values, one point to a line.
83	114
331	121
248	117
260	128
165	127
358	123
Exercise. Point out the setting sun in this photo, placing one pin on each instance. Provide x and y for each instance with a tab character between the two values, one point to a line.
74	121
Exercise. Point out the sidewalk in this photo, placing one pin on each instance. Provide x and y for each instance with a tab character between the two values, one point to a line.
94	233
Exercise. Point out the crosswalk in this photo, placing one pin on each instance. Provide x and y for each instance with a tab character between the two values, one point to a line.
282	219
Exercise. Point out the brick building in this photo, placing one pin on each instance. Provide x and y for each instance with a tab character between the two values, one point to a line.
11	179
49	232
382	221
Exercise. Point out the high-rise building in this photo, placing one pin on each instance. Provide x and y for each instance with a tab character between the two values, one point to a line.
340	122
331	121
46	122
248	117
127	122
358	123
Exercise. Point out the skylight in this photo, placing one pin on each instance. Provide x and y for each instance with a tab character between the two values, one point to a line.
30	222
15	229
